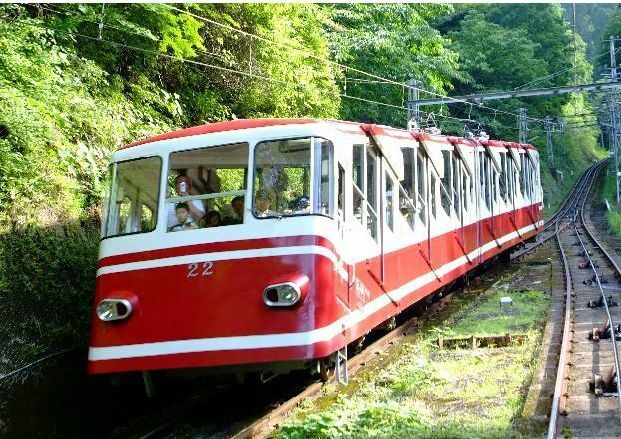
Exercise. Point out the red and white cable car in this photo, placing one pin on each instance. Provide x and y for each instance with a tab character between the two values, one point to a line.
338	227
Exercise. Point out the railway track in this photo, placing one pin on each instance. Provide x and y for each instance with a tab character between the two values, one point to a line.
264	426
582	405
559	226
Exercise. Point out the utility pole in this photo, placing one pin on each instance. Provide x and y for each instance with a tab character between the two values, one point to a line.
413	106
523	125
547	124
613	59
614	118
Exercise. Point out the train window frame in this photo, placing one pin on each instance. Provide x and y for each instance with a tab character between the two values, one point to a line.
464	188
522	176
315	161
367	212
372	207
445	182
407	187
341	189
502	178
456	168
111	198
358	192
489	184
172	199
432	191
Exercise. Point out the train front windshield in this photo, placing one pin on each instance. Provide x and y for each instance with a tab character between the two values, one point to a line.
293	177
207	187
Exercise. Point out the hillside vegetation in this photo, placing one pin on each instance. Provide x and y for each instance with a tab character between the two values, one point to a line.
78	81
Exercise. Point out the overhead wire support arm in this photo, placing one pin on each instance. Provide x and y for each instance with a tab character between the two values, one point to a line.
521	93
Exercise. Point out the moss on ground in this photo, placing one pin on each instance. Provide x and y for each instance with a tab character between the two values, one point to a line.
429	392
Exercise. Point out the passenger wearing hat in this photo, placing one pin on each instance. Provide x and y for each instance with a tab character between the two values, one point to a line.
262	203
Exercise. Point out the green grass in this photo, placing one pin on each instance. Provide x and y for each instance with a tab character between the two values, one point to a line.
424	391
486	317
613	216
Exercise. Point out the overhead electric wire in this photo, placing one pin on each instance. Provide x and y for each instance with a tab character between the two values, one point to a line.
126	31
551	75
265	78
199	63
329	61
305	52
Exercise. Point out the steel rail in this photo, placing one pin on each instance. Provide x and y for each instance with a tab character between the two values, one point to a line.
567	205
562	362
610	320
599	285
578	203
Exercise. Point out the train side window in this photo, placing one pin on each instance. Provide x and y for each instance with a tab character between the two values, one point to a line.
522	173
502	179
481	175
494	179
421	182
510	179
408	171
390	201
358	186
486	178
445	183
407	188
455	187
323	185
371	192
464	180
340	198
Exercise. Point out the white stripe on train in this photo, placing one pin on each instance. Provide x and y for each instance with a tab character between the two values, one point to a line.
272	340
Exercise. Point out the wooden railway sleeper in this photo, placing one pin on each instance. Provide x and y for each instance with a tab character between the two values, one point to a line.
604	333
604	384
593	280
600	302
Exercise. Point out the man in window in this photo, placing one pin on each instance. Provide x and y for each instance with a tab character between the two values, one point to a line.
195	207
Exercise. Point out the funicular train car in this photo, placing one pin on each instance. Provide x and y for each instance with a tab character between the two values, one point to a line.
338	227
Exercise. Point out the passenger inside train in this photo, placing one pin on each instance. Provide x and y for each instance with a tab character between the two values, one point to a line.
184	219
196	210
213	219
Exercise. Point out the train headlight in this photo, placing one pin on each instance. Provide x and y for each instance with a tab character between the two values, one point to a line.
113	309
283	294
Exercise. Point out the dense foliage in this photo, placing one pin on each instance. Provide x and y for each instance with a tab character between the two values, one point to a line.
79	80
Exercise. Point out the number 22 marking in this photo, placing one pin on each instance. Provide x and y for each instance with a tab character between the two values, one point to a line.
193	269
